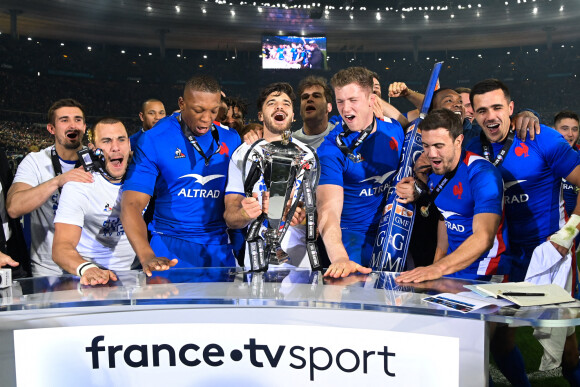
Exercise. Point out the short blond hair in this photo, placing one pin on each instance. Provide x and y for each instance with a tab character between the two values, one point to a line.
359	75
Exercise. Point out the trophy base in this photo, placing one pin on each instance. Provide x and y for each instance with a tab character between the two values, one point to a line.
279	257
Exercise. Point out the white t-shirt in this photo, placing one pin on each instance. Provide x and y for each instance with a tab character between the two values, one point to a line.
96	208
35	169
294	241
312	140
4	216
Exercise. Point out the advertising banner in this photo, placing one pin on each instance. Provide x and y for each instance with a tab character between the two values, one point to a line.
200	354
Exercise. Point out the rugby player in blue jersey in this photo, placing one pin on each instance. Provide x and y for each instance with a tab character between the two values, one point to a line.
468	191
152	111
359	158
472	240
183	160
523	122
532	172
567	124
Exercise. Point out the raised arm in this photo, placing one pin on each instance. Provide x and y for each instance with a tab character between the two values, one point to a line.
387	110
400	89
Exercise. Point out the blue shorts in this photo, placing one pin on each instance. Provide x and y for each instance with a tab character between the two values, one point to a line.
359	246
191	254
238	241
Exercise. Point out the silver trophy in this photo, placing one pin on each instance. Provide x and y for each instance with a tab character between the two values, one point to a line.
289	172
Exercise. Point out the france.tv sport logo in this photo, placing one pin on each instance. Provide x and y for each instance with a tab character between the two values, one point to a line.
316	359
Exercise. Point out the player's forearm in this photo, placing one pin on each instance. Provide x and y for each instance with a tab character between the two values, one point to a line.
439	254
471	249
21	201
415	98
392	112
329	206
442	242
577	208
236	217
65	255
237	220
136	231
329	227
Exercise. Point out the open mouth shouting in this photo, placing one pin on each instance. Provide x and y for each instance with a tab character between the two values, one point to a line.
349	118
310	108
73	135
436	163
279	116
493	128
116	165
200	130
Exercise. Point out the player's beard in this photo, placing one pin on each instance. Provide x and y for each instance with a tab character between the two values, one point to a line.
71	144
271	125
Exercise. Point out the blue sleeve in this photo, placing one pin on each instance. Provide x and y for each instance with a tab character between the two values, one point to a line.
486	188
142	172
331	163
559	155
334	120
474	145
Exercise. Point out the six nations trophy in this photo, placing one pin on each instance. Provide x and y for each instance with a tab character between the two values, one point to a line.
287	173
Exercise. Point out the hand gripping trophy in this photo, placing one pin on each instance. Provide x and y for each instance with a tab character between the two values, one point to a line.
286	173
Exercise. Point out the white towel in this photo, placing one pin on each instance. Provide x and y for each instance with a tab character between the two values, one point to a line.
547	266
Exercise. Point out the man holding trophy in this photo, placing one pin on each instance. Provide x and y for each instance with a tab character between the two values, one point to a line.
271	187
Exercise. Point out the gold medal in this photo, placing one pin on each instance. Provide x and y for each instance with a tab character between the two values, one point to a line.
425	210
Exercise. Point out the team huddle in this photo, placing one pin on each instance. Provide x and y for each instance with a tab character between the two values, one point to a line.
496	197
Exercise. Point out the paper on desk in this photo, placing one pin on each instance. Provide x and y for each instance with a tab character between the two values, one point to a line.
553	294
490	301
494	290
459	302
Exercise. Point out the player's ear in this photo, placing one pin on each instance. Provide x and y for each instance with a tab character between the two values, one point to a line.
260	116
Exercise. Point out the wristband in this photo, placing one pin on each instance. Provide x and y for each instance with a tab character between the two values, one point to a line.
565	236
84	267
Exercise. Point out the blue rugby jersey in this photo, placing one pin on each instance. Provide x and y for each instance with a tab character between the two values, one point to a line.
570	192
532	172
190	195
134	138
475	188
365	183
